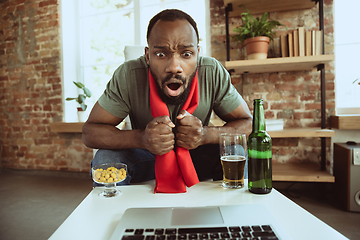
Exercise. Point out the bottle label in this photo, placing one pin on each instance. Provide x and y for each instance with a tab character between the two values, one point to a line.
259	154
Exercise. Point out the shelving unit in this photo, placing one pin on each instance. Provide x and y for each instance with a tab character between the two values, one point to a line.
300	172
278	64
287	172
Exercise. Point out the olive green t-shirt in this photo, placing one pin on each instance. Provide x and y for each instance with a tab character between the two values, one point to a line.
127	92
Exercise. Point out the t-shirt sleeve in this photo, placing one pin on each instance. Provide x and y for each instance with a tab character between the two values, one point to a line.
227	98
115	98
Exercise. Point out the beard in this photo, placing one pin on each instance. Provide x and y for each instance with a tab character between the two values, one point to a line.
178	100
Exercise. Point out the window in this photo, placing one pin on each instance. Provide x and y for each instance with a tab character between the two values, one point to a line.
95	32
347	52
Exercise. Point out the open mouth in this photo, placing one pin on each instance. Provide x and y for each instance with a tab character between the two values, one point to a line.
174	87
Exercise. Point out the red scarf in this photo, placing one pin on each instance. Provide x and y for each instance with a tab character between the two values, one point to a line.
173	170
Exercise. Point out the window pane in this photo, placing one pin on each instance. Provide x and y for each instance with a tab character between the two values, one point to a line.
347	55
343	15
96	78
347	71
102	6
105	36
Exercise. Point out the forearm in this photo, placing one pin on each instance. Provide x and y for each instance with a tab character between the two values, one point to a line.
105	136
211	134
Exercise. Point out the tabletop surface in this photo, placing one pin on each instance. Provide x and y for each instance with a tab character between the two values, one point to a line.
96	218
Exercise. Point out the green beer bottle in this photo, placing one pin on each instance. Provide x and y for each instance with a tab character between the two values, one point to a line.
259	153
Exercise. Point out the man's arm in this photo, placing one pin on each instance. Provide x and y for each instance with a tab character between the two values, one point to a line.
192	134
100	131
239	120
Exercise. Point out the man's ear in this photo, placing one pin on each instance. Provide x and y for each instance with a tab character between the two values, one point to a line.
147	55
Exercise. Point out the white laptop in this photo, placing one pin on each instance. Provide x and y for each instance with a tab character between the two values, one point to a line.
245	221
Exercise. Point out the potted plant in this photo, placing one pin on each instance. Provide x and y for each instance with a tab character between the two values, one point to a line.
255	34
81	100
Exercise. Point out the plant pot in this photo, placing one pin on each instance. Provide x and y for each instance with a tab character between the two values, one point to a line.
257	47
82	115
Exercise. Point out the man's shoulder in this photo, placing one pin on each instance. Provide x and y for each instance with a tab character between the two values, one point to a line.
211	67
132	69
205	61
136	64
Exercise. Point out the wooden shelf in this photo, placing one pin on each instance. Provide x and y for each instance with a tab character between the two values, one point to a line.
261	6
278	64
74	127
290	132
350	121
300	172
63	127
302	132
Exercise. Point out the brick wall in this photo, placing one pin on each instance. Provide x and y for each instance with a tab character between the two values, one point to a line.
292	96
31	89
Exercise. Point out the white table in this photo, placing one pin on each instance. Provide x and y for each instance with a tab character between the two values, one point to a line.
96	217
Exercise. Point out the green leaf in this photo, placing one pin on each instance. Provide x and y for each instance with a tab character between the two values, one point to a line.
87	92
264	17
254	27
79	85
83	106
81	98
70	98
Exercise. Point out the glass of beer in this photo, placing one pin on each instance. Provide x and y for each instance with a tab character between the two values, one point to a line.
233	155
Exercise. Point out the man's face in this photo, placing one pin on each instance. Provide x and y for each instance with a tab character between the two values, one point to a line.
172	56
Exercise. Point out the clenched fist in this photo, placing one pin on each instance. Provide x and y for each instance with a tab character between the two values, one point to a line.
189	131
158	136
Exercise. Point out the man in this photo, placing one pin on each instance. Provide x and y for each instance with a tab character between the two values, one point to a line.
172	56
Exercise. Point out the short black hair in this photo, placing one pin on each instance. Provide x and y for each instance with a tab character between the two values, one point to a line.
171	15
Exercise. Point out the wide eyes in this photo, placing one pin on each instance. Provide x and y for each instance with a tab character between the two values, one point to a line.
185	54
160	54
